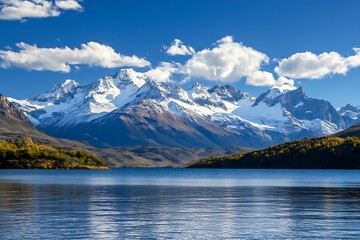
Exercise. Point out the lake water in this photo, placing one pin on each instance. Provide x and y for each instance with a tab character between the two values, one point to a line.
179	204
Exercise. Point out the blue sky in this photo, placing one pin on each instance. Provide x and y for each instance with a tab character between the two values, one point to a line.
277	29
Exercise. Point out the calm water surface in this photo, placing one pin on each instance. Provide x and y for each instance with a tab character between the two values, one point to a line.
179	204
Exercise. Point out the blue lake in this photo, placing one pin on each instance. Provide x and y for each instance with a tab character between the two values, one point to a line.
179	204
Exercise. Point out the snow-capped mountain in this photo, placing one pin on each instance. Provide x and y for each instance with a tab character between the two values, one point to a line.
134	108
350	114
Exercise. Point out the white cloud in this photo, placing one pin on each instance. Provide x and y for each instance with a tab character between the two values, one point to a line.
178	48
164	71
68	4
228	62
262	78
23	9
283	80
59	59
354	60
312	66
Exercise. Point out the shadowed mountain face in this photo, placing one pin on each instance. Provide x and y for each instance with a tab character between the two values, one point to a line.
132	108
10	112
14	124
303	107
350	114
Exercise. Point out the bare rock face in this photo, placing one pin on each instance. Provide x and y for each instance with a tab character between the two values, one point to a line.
8	110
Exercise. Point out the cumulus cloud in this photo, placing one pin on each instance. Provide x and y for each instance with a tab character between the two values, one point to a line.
164	71
263	78
23	9
68	5
32	57
228	62
312	66
178	48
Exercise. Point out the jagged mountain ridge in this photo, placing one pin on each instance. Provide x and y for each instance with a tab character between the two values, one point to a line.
132	108
14	124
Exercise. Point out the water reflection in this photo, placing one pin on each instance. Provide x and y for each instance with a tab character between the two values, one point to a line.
44	211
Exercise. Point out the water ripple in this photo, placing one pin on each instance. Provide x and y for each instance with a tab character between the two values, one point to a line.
58	208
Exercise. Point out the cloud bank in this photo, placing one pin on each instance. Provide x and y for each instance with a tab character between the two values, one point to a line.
311	66
227	61
24	9
32	57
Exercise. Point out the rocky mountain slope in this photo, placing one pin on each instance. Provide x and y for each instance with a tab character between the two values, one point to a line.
350	114
132	108
14	124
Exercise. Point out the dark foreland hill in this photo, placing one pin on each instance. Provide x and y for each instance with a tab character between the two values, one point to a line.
353	131
14	124
341	151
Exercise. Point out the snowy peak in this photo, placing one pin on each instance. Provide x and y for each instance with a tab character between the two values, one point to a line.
228	93
151	90
197	89
275	92
173	91
102	91
296	97
69	86
201	96
59	93
350	114
266	97
118	89
129	76
349	108
273	96
303	107
198	92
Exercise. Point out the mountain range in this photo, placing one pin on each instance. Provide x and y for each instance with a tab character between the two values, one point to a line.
14	124
132	108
